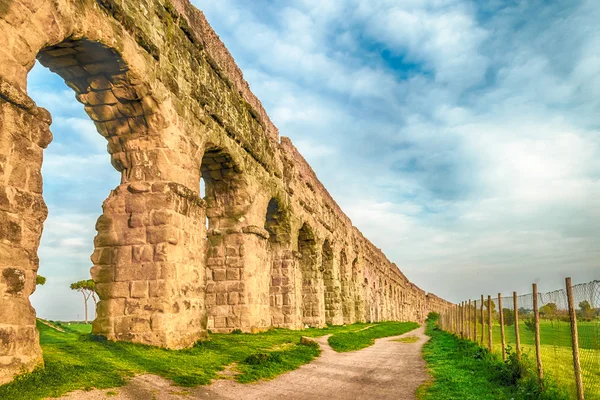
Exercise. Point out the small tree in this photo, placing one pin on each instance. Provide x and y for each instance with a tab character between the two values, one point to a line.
88	289
586	310
40	280
549	311
509	316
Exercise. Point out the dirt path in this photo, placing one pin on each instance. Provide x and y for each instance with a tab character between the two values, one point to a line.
387	370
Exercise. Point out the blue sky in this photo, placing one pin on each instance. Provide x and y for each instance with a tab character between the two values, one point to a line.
461	137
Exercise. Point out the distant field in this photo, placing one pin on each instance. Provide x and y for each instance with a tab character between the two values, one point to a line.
76	360
557	359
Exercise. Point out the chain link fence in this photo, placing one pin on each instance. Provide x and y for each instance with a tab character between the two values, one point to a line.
540	326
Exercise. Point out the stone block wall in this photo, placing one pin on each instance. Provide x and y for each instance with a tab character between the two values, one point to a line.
266	245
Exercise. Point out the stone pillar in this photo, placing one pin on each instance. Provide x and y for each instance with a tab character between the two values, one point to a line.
313	290
238	276
332	295
24	133
283	299
148	265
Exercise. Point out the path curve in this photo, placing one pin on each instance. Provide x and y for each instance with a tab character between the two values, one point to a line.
386	370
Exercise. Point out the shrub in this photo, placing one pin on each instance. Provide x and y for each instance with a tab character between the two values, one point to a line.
529	324
433	316
262	358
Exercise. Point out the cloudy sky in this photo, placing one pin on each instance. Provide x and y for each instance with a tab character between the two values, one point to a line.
461	137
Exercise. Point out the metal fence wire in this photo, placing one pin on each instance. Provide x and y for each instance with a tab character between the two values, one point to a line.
508	324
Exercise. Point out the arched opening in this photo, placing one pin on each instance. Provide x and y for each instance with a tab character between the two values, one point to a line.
77	177
277	224
313	312
224	187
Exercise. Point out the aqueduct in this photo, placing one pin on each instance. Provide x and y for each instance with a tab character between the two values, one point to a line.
174	108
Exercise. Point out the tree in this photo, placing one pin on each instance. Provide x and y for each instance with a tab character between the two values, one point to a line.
40	280
509	316
549	310
493	308
586	310
88	289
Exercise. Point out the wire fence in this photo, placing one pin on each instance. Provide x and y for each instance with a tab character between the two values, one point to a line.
559	331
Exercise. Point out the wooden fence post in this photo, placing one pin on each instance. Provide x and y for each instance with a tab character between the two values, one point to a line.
475	319
469	320
457	312
464	320
517	334
482	321
536	320
502	338
489	313
574	340
454	319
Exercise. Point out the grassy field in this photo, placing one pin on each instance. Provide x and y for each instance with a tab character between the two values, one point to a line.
76	360
557	359
463	370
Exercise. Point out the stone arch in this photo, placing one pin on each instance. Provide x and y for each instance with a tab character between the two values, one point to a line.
132	236
277	223
313	308
224	187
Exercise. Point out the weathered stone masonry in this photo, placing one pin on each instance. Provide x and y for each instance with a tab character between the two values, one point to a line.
174	108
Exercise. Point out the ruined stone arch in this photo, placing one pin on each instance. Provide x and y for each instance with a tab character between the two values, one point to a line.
277	222
224	188
134	229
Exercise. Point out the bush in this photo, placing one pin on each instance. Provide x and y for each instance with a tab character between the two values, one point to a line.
509	316
236	332
433	316
529	324
262	358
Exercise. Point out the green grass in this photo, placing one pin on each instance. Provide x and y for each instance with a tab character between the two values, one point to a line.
463	370
74	360
557	359
351	341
